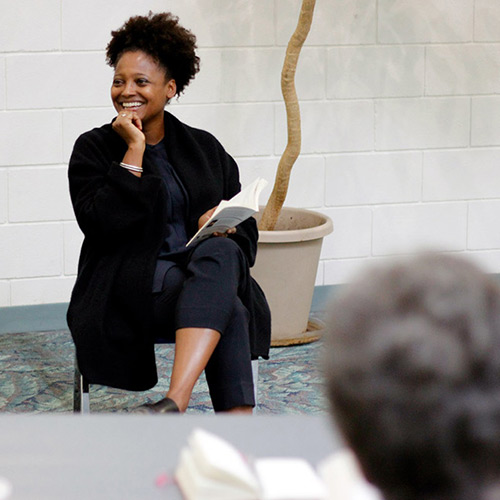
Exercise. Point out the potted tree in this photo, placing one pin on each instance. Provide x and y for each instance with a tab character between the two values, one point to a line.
290	239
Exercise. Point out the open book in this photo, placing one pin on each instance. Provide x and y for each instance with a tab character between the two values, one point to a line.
231	212
211	468
344	478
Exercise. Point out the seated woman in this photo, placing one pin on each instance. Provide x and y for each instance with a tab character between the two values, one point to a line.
141	187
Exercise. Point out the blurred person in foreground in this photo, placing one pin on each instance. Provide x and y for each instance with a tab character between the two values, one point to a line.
413	377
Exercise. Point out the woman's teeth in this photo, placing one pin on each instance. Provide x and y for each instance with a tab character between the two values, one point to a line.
129	105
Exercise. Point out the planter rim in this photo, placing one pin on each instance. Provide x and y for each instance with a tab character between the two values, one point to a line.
296	235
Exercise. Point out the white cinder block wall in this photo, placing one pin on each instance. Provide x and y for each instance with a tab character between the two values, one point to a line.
400	105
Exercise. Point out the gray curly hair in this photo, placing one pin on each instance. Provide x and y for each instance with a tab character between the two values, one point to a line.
412	370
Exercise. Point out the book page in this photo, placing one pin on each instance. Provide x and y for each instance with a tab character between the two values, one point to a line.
247	197
219	460
289	479
344	479
195	485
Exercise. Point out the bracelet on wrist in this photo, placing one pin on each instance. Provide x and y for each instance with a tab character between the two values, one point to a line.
133	168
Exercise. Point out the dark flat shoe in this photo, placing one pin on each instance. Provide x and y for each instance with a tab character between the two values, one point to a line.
165	405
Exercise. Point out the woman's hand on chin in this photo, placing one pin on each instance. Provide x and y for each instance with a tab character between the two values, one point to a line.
129	127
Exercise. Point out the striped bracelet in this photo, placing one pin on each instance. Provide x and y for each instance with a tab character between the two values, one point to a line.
131	167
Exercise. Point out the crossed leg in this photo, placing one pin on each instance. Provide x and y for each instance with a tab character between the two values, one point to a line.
205	299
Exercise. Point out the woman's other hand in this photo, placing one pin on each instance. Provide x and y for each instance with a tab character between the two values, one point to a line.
204	218
232	230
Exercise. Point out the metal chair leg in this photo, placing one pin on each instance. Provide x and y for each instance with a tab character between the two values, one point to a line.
255	376
81	396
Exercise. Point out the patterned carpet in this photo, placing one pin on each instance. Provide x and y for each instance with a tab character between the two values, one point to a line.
37	376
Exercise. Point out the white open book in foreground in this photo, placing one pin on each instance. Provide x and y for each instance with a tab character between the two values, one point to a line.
231	212
211	468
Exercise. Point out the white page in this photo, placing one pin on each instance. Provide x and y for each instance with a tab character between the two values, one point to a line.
218	459
289	479
247	197
197	486
344	479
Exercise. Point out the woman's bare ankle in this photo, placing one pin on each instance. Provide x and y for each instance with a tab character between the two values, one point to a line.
181	402
243	410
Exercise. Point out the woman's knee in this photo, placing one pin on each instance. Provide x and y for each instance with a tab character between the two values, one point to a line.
218	246
220	258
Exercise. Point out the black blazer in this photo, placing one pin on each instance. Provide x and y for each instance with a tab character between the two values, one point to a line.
121	216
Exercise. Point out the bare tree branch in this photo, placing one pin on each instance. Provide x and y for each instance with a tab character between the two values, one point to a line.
292	150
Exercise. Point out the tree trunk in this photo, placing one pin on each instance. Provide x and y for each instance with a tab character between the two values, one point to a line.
292	150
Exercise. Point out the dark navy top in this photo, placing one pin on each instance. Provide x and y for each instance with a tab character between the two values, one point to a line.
176	206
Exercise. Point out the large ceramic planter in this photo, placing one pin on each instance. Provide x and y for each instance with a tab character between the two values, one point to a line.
286	267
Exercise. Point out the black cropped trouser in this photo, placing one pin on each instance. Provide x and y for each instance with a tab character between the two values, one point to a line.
201	290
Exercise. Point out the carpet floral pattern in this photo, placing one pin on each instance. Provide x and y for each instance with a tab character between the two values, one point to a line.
37	376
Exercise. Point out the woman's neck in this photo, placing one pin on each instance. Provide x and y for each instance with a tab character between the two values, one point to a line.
153	140
155	132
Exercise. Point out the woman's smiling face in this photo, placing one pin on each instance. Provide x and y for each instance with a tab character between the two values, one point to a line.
142	86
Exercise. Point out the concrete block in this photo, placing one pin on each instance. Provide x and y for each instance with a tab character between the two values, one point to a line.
408	228
41	291
206	86
352	233
407	21
77	121
254	75
342	271
483	220
31	250
310	78
251	74
365	179
73	239
461	175
335	22
3	195
422	123
243	129
39	194
5	293
330	126
100	18
226	23
44	130
55	80
462	69
2	83
307	183
364	72
251	168
485	121
306	188
488	260
487	21
319	275
216	23
30	25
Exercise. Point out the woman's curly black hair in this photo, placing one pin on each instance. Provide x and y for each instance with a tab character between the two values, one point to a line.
162	38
